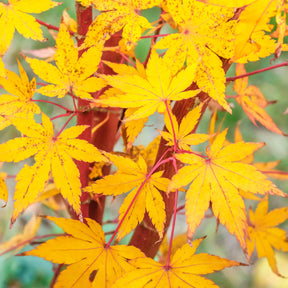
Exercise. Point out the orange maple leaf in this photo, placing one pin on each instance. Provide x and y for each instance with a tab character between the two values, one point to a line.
53	154
264	236
217	178
132	176
253	101
91	262
183	271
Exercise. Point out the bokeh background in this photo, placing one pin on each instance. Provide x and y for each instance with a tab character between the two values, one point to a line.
20	272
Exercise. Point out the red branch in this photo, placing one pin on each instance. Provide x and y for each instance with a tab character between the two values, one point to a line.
52	27
228	79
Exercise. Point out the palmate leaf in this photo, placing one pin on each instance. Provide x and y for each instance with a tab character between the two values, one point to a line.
149	94
184	138
91	263
205	32
71	73
17	104
253	101
14	15
217	178
184	271
52	154
144	195
264	236
130	129
117	15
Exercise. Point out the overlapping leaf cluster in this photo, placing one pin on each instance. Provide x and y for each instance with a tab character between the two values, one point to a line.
187	65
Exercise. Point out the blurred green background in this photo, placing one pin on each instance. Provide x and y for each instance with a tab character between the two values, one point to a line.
20	272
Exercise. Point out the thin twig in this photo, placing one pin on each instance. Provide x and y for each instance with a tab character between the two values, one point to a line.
52	27
228	79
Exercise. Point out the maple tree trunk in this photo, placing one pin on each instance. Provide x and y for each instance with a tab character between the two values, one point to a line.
105	136
84	19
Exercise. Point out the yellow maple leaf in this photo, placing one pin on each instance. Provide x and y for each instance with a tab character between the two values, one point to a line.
71	73
123	69
20	240
206	32
17	104
117	15
253	101
252	41
132	176
14	15
131	129
184	271
182	132
151	94
217	178
264	236
52	154
91	262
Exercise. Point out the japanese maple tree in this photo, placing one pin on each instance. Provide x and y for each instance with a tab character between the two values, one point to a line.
95	70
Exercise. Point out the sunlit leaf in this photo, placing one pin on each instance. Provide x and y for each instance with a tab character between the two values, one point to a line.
71	73
53	154
184	137
205	33
19	103
184	270
264	236
91	263
217	178
144	194
14	15
150	94
117	15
